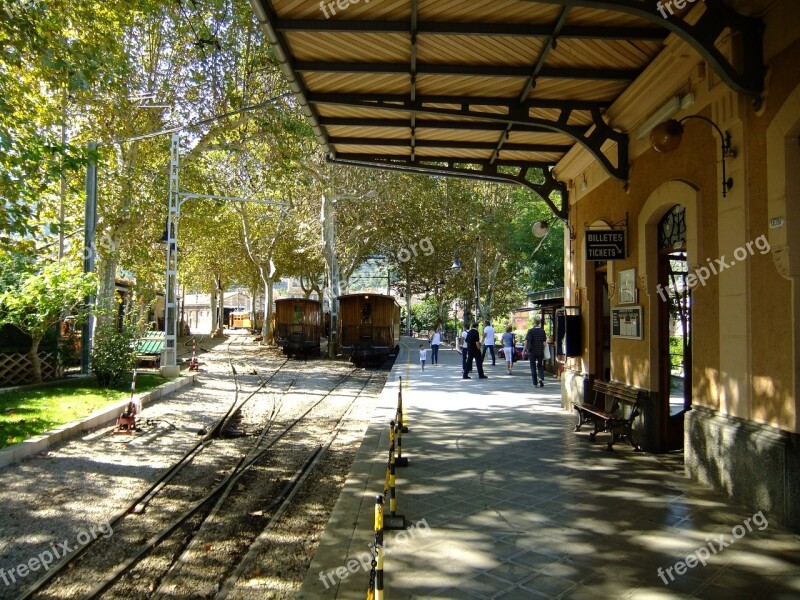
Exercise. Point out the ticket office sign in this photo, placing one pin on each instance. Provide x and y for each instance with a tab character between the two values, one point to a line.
605	244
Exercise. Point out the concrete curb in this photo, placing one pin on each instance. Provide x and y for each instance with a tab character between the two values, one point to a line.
40	443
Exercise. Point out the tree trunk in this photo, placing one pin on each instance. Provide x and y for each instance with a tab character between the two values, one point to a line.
105	310
329	253
493	270
253	311
213	297
268	333
408	303
266	327
33	356
220	330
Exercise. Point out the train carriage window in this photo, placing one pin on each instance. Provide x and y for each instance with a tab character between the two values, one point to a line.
366	312
298	313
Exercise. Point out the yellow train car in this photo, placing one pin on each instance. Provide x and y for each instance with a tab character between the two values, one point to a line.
369	327
298	326
244	320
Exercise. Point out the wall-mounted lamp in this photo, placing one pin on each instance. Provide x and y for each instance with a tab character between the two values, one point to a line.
667	136
583	185
540	229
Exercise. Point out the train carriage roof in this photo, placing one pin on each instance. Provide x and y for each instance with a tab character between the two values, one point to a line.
297	300
489	89
354	295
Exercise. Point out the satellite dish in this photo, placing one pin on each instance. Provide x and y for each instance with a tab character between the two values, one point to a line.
540	229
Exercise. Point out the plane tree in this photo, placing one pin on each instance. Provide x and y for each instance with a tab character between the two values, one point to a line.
34	293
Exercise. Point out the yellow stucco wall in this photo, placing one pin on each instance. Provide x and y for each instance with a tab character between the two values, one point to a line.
630	359
768	312
773	401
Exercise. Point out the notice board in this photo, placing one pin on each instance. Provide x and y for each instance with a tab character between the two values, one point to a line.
626	322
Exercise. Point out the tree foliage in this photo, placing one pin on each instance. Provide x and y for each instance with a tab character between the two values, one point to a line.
33	296
73	71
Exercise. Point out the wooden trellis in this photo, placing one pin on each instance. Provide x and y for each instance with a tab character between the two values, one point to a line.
16	368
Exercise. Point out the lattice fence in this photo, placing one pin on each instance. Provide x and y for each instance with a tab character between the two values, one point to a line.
16	369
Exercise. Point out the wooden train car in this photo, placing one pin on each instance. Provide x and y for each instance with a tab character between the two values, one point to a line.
298	326
369	327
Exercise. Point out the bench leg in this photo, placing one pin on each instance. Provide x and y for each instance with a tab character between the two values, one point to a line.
597	429
629	435
610	446
581	420
626	433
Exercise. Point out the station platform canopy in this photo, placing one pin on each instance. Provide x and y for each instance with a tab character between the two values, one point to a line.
490	89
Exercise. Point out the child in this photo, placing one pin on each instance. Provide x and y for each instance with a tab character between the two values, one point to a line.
423	354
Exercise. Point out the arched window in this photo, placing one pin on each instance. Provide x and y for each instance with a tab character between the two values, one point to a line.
675	321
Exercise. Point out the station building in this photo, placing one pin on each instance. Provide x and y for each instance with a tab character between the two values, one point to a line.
665	136
716	250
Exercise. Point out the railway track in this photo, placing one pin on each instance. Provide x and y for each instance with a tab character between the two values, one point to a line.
153	549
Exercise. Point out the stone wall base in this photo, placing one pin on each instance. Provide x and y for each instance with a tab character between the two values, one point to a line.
755	465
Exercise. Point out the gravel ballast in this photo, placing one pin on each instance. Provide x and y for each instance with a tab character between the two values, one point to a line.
70	493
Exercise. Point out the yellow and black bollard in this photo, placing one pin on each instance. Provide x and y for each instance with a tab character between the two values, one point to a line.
393	521
399	416
379	548
375	589
400	460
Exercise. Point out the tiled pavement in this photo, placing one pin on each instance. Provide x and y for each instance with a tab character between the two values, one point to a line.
508	502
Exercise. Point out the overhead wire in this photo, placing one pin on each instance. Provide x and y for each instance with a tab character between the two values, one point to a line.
198	123
194	31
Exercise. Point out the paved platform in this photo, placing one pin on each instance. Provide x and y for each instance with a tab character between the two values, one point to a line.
506	501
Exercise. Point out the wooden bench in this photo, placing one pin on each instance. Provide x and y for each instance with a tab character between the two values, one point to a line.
611	420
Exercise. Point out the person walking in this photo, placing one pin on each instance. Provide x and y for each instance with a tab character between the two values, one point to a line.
436	340
534	344
464	354
509	347
474	351
488	341
423	355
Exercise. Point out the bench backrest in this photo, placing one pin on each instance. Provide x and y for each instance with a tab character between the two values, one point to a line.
616	391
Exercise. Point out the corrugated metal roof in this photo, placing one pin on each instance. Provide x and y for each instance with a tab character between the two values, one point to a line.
485	88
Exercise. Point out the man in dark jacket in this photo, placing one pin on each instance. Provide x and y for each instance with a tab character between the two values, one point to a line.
534	344
474	351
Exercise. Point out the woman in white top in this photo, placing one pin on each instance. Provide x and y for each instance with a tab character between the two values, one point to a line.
436	339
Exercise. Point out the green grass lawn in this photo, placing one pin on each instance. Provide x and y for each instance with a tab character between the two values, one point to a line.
31	412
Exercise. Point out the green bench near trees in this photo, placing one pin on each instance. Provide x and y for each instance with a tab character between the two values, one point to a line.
149	347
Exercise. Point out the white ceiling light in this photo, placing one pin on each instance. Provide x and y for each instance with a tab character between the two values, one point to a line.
664	112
